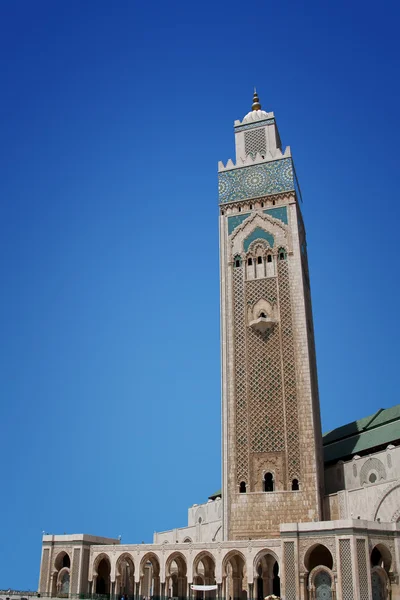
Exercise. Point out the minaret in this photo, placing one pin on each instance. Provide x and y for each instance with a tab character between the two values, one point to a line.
272	445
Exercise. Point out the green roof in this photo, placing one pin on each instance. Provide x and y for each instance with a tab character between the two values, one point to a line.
379	429
213	496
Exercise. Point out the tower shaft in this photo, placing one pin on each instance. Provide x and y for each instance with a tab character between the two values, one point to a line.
272	446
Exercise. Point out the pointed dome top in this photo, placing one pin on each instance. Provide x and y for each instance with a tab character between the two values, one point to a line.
256	114
256	101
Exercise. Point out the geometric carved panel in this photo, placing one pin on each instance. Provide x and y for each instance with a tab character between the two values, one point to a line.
242	462
267	428
362	569
372	464
346	570
289	372
290	571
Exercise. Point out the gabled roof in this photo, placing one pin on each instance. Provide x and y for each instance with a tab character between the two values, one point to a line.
379	429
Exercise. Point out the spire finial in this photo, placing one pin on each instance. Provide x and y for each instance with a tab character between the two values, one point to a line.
256	101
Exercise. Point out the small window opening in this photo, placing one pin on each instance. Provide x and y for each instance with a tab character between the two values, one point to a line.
273	202
240	209
237	263
262	204
249	262
372	478
282	255
259	260
200	520
242	487
222	212
268	482
295	485
269	258
250	206
263	315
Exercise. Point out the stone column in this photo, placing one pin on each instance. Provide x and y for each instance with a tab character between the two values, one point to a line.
250	593
267	585
156	589
219	591
137	590
303	585
94	584
237	588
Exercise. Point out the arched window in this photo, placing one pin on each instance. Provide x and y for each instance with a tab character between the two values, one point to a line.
268	482
295	485
259	260
240	209
66	561
238	262
282	254
242	487
250	261
269	258
263	315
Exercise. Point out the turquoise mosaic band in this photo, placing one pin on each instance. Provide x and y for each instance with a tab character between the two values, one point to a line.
258	234
253	125
280	212
254	181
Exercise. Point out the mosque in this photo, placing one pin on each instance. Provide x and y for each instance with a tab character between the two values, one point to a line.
300	515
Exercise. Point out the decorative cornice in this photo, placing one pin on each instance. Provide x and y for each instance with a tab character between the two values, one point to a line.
289	194
258	159
262	123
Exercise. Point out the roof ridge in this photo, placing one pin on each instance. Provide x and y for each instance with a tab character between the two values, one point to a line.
372	418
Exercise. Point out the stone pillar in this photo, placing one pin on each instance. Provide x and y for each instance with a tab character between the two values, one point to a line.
303	577
156	588
163	590
237	588
181	587
94	584
112	590
137	590
250	594
219	591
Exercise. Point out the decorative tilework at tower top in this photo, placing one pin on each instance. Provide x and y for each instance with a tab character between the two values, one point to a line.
258	180
270	406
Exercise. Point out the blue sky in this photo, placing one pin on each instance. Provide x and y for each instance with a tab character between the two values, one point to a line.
113	118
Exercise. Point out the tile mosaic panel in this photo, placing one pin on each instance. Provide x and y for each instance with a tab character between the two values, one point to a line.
277	213
280	212
235	221
256	180
257	234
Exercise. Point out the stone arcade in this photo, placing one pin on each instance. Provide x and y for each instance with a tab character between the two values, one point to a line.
299	515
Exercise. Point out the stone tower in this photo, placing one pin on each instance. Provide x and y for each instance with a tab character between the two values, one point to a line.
272	445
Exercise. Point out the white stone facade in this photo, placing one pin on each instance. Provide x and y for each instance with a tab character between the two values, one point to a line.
204	525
